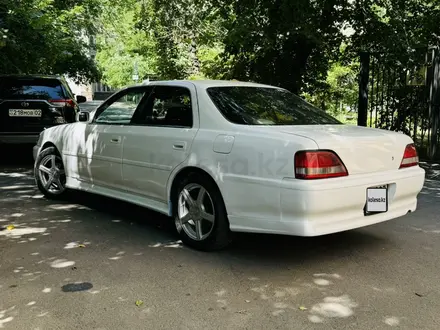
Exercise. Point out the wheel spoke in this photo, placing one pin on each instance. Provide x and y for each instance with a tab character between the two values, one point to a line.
57	181
44	169
188	198
201	196
49	182
52	161
199	233
185	218
207	216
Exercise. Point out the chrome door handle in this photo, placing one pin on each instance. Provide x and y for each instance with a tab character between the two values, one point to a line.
115	140
179	145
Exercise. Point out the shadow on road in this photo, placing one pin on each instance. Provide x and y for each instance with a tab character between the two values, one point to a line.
148	228
16	156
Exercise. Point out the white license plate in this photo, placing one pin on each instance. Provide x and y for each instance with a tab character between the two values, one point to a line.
25	112
377	200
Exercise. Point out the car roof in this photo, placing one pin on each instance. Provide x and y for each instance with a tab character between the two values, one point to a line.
208	83
30	76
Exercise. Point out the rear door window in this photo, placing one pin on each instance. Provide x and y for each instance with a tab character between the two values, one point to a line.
40	89
266	106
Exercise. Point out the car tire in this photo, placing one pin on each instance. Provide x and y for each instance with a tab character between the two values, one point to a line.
204	225
49	173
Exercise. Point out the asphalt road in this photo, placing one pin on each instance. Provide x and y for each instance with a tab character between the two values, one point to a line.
384	276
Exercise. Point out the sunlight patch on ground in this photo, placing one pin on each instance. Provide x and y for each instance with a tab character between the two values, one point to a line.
60	221
321	281
221	293
62	263
22	231
46	290
334	307
4	318
15	187
175	244
392	321
60	207
71	245
315	319
327	275
14	175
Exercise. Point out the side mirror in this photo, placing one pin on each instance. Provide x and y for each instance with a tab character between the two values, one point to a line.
81	99
83	116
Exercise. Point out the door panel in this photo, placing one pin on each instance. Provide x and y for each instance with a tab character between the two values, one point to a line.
100	160
160	140
149	157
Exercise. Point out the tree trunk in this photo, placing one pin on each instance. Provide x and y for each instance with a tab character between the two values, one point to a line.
193	50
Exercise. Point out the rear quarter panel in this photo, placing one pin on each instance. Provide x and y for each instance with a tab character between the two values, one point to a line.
253	172
250	175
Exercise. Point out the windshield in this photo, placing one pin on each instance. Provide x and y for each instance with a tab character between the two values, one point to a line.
266	106
30	89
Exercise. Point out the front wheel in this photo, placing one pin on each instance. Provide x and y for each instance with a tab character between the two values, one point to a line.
200	214
49	172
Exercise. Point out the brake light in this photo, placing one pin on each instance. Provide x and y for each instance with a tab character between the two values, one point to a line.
410	156
318	165
65	103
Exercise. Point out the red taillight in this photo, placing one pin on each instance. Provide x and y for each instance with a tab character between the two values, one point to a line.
318	165
410	156
65	103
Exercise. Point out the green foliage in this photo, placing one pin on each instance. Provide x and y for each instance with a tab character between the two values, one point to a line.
187	33
124	50
284	43
340	96
395	28
47	36
300	45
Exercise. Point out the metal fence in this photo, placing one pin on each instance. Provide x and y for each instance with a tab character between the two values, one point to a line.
403	97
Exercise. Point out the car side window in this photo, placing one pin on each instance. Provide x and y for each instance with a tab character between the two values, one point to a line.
121	110
169	106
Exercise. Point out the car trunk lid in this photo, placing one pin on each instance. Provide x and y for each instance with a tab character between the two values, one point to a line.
361	149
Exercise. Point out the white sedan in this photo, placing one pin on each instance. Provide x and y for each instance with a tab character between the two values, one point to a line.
222	157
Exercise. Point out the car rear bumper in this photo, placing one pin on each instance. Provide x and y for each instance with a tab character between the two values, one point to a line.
319	207
19	139
330	207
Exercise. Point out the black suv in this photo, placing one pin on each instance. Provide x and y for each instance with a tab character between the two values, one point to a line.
29	104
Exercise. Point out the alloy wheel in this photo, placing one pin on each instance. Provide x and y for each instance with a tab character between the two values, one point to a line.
52	174
195	212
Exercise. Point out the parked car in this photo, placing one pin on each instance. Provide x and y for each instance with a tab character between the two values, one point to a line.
29	104
222	157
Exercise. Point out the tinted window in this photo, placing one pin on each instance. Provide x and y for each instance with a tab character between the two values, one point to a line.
169	106
266	106
46	89
121	110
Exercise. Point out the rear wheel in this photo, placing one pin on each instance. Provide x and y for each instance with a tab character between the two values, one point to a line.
200	214
50	174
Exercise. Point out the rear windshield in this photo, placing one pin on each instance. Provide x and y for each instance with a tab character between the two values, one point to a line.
266	106
46	89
